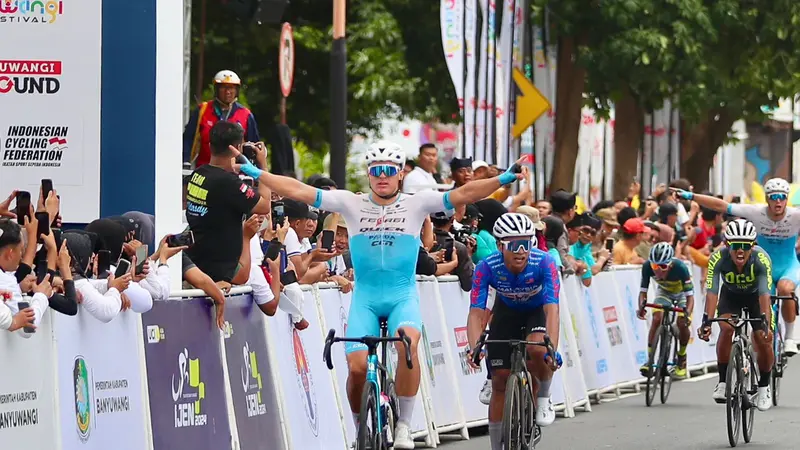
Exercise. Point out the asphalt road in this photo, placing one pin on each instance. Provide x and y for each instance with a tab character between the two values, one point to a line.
689	420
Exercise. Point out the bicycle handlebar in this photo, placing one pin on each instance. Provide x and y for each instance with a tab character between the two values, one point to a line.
775	298
738	322
664	307
476	352
369	341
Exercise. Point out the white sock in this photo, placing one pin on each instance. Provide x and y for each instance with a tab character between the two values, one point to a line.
355	419
406	406
496	435
789	330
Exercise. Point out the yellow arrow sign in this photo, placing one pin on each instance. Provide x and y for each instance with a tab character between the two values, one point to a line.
531	104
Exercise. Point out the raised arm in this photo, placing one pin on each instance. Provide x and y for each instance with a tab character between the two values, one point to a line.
480	189
283	186
707	201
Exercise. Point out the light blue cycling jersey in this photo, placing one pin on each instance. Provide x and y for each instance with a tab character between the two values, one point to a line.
384	245
777	238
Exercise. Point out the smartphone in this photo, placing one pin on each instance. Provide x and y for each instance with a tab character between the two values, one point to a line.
610	244
123	266
248	181
26	305
327	239
44	225
23	206
141	258
288	277
278	216
436	247
103	262
249	151
273	250
41	273
47	187
449	245
185	239
58	237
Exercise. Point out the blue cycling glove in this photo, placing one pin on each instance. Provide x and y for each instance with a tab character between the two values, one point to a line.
507	177
686	195
250	170
559	361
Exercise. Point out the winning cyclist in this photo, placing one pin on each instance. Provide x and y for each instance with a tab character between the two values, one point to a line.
527	283
746	274
384	229
674	286
777	226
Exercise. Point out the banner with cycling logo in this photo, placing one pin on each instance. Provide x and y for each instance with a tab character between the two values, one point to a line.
311	411
571	372
27	390
439	361
100	382
710	347
614	327
255	400
628	282
185	376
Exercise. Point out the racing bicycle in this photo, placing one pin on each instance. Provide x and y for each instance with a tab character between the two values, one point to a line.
666	350
777	345
379	412
520	431
741	387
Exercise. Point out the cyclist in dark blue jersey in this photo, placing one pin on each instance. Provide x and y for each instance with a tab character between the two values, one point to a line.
527	287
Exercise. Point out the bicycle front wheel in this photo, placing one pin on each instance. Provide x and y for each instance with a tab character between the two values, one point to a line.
369	433
669	349
749	389
653	370
512	414
733	388
777	368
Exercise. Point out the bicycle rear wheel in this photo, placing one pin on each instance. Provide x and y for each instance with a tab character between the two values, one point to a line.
512	414
749	388
669	348
777	368
369	433
653	372
733	401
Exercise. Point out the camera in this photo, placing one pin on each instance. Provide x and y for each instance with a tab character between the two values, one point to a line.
249	152
464	233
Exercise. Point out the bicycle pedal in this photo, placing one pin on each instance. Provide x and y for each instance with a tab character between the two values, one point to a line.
746	403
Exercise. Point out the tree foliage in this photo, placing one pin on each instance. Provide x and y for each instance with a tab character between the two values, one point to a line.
395	65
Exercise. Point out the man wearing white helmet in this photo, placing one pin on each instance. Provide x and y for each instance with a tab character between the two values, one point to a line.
527	286
384	230
778	226
196	144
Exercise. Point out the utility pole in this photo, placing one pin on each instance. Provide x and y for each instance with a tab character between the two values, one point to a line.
339	96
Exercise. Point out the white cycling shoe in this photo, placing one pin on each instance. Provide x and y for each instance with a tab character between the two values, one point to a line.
790	347
486	392
402	437
545	413
719	392
764	400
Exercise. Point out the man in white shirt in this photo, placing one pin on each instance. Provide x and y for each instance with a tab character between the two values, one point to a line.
421	178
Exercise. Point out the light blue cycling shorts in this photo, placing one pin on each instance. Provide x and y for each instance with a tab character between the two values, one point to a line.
364	319
786	269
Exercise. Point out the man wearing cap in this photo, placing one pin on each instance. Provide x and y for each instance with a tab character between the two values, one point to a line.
480	170
298	248
461	171
563	204
631	235
442	224
338	265
608	219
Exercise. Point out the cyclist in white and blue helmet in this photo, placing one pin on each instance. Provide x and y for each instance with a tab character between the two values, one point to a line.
674	288
777	226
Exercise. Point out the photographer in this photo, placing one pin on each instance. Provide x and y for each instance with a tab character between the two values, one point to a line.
462	243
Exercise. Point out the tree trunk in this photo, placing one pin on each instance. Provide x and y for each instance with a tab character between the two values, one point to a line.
571	78
628	131
700	145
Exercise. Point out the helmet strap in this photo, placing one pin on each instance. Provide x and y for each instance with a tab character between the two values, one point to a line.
385	197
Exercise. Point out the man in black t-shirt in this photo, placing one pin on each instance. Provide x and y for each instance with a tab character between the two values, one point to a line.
217	201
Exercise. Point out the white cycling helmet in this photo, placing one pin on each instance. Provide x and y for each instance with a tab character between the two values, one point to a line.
512	225
386	151
661	253
776	185
740	230
227	77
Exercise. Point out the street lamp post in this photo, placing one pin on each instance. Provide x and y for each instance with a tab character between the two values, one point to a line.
339	95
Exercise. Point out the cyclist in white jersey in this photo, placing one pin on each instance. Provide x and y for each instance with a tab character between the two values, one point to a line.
384	229
777	226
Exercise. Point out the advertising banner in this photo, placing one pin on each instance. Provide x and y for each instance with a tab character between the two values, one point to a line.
185	376
99	382
312	413
571	372
603	293
439	361
255	400
50	92
628	283
27	389
710	347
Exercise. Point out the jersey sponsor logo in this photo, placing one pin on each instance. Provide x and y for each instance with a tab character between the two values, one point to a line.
519	295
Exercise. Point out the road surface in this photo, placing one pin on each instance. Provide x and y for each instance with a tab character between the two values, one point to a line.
689	420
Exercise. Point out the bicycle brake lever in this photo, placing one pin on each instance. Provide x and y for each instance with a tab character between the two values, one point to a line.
326	354
407	344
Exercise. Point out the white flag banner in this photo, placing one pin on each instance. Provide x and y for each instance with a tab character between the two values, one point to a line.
480	122
503	84
452	23
491	97
471	91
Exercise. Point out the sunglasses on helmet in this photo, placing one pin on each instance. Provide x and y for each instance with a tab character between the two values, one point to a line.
388	169
777	196
740	245
517	245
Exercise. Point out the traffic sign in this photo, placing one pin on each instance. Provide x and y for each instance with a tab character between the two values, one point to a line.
531	104
286	60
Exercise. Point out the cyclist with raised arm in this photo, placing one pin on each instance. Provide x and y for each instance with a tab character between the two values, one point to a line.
745	272
675	288
527	286
777	226
384	229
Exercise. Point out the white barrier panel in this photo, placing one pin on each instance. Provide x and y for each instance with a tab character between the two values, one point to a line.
710	347
571	372
27	390
100	382
313	416
441	364
604	295
628	282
